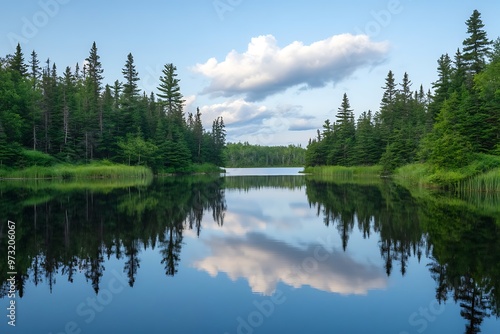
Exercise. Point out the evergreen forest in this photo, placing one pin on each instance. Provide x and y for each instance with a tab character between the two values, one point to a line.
447	127
246	155
50	117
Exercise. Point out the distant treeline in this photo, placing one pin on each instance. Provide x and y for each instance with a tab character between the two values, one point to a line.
246	155
444	128
74	118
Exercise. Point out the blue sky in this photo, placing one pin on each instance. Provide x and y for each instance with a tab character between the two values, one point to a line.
274	70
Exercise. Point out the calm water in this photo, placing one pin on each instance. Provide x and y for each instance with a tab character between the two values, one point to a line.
257	251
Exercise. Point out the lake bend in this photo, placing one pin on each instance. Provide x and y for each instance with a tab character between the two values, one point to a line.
255	250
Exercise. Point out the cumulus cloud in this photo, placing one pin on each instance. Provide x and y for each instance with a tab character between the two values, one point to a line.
265	68
237	113
189	101
256	123
264	262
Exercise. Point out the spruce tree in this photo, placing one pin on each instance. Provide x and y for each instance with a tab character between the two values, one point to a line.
442	87
93	125
365	149
459	72
170	95
35	100
36	70
130	115
130	86
344	134
17	65
386	116
476	47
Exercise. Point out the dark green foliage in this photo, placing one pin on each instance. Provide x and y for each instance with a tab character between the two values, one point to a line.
246	155
218	142
170	95
366	148
343	135
462	117
477	46
75	118
17	65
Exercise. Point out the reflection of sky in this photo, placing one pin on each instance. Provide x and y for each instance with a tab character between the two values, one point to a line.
268	234
265	262
263	171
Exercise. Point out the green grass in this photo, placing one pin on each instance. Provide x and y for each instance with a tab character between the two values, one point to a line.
345	172
481	174
486	182
101	170
207	168
95	185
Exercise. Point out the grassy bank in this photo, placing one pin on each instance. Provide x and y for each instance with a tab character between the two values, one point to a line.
100	171
345	172
205	168
482	174
90	171
94	185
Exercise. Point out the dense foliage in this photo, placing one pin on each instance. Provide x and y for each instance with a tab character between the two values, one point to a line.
444	128
75	118
246	155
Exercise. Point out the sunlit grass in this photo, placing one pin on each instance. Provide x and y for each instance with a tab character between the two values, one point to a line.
90	171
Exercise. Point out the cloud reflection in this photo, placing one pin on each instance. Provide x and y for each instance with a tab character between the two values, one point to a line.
264	262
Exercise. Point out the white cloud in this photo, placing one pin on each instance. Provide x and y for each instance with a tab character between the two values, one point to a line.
257	123
236	112
188	101
265	68
264	262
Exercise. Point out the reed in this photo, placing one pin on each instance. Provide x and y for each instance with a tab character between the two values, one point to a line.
486	182
345	172
90	171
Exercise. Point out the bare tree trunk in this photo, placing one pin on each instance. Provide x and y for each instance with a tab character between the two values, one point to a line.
34	136
65	120
86	146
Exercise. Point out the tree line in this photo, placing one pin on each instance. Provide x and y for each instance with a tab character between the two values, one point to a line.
445	127
75	118
246	155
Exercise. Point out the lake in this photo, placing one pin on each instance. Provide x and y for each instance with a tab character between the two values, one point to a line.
254	251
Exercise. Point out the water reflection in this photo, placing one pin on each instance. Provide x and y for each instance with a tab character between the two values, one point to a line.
462	241
70	230
76	231
264	262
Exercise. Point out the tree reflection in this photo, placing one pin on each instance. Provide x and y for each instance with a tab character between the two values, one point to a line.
384	209
462	242
75	231
466	258
171	249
